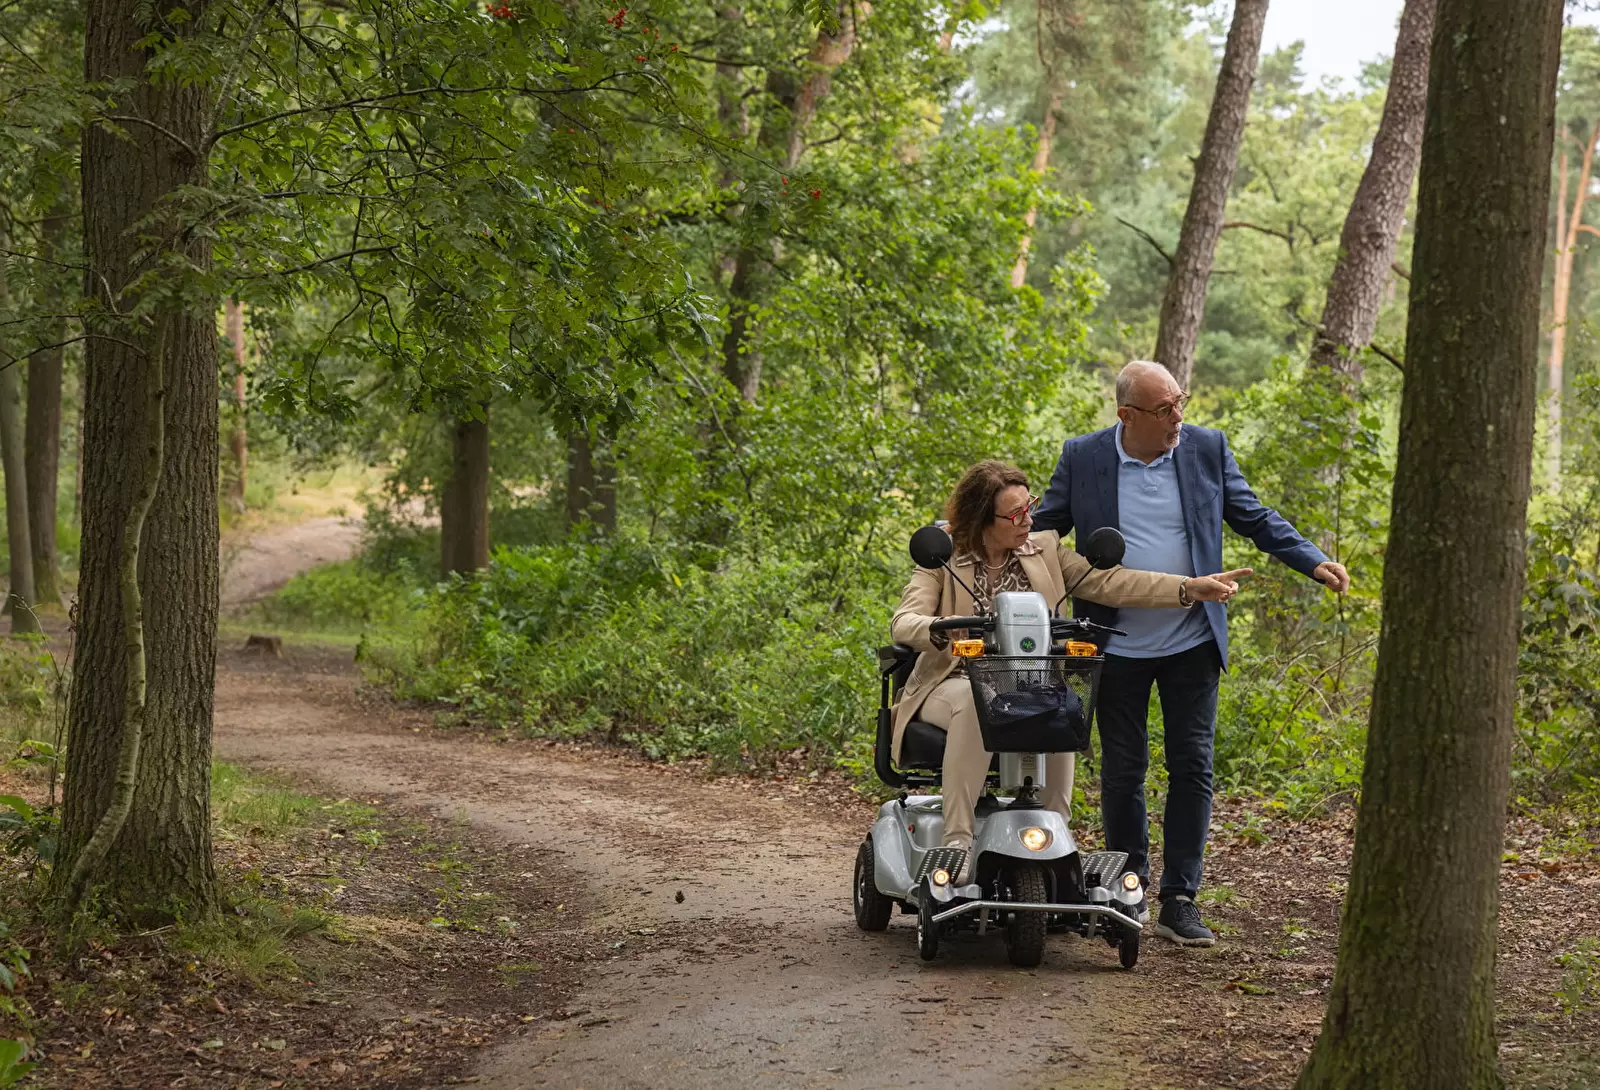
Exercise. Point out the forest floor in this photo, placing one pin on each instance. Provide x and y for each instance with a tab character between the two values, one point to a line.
515	913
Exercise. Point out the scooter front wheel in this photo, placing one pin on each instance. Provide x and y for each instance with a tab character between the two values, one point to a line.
1128	948
1025	933
927	930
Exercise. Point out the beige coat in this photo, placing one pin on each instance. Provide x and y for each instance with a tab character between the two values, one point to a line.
933	594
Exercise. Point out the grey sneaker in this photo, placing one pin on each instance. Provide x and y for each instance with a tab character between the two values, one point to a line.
1180	922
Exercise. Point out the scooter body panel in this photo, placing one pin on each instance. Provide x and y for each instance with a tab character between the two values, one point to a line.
904	834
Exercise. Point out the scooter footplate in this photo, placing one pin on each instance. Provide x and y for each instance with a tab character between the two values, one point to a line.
948	858
1103	865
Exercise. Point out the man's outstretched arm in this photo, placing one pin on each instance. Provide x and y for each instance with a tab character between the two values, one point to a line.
1271	532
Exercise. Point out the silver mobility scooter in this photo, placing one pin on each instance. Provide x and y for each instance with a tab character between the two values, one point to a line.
1034	678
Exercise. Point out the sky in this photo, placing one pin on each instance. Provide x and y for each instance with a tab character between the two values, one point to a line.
1341	35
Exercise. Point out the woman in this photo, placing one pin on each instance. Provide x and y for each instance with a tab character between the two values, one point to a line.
991	515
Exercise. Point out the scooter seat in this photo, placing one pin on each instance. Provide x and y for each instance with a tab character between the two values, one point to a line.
922	746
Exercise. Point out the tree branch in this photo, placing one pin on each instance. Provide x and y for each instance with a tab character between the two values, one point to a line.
1148	237
1286	237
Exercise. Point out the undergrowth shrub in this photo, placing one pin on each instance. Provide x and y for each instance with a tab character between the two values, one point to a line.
644	643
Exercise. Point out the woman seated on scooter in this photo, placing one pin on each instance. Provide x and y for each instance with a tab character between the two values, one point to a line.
991	516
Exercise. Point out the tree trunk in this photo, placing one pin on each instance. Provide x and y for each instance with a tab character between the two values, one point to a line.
1184	306
1412	1004
783	134
238	439
21	598
159	865
1041	162
464	504
1569	223
44	434
1372	227
591	484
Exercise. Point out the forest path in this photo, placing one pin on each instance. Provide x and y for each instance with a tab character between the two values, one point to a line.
768	982
257	565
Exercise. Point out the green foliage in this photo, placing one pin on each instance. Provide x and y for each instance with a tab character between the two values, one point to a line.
1580	977
28	831
347	597
638	643
12	1069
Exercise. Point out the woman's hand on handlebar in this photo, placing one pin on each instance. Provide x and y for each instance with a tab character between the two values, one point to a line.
1216	588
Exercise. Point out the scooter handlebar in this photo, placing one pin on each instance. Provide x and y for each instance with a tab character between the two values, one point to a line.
1062	627
947	624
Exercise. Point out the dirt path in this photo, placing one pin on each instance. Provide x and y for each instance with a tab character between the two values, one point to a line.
775	987
257	567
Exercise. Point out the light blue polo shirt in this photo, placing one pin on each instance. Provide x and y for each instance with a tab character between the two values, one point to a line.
1150	514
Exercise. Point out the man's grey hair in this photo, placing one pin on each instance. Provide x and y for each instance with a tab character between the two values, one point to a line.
1130	375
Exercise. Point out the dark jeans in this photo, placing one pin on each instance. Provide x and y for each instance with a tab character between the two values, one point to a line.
1187	684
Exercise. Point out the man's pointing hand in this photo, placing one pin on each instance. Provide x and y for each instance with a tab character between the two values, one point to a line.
1333	576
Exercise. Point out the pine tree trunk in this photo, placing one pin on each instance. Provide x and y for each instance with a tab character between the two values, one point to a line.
1041	162
238	439
1372	226
464	504
591	484
1569	224
1412	1004
160	864
1183	308
44	435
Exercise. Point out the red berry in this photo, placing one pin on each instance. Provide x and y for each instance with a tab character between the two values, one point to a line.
816	194
640	58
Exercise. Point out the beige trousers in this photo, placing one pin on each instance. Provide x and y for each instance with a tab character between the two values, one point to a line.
966	762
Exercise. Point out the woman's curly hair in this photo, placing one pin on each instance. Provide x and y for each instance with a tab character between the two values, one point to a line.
970	508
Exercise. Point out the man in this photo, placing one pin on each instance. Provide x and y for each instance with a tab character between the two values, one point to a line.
1169	487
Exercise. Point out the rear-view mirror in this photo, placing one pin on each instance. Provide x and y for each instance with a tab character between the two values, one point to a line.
931	547
1104	548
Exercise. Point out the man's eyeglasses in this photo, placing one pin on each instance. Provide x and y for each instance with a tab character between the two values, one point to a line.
1016	517
1165	411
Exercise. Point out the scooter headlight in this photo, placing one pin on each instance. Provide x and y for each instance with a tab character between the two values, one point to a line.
940	876
1035	839
1130	881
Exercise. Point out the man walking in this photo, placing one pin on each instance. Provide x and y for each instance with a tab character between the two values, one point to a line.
1169	487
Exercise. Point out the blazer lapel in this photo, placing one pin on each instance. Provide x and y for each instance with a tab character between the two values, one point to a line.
1040	576
1188	488
1105	474
961	603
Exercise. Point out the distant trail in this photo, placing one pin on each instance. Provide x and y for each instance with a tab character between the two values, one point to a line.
255	568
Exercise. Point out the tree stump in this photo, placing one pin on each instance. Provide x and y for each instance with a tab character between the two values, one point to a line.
264	645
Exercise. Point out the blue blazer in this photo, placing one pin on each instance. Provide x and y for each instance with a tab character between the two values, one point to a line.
1083	496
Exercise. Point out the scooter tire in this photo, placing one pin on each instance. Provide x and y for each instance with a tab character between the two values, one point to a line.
872	908
1025	933
1128	949
927	930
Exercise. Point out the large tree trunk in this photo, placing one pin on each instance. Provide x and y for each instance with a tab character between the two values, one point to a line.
159	863
1184	306
464	504
1412	1004
21	598
44	434
1569	223
1372	226
238	438
591	484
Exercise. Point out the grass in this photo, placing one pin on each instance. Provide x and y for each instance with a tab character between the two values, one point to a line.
248	803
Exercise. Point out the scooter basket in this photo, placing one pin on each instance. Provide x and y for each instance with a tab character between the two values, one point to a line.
1033	704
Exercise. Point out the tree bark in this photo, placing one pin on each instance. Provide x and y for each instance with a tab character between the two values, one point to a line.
21	596
591	484
44	434
1569	223
238	438
1184	306
464	504
1412	1003
1041	162
160	864
20	599
1372	226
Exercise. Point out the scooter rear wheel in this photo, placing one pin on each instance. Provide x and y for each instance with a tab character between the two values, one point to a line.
1025	933
873	909
927	930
